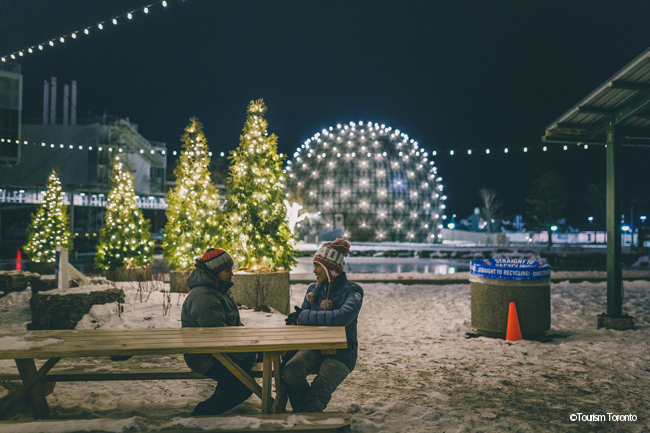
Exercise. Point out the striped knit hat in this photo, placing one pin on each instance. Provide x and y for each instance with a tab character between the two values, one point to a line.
217	260
330	256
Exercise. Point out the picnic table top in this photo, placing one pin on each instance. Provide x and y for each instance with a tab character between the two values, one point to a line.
73	343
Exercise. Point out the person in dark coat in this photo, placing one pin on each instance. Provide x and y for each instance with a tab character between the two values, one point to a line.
210	304
332	301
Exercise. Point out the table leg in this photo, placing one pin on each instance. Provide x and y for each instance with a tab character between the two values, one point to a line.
280	403
33	385
239	373
267	374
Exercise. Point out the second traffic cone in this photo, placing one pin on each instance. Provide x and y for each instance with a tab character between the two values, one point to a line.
513	332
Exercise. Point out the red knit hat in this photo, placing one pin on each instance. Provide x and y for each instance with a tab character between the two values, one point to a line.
217	260
330	256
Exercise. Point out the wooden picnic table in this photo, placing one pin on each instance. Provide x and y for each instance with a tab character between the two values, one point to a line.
274	342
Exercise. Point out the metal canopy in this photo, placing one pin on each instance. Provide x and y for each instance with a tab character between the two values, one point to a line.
623	100
616	114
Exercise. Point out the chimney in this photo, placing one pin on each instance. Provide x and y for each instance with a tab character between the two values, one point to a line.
46	101
66	103
53	102
73	104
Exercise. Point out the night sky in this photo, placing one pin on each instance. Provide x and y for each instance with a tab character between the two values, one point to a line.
452	75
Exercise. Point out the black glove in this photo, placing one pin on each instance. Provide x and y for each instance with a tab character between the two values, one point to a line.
292	319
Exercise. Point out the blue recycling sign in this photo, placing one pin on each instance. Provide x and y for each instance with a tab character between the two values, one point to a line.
510	269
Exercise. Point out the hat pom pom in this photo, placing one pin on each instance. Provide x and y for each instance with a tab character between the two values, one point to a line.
341	245
311	296
326	304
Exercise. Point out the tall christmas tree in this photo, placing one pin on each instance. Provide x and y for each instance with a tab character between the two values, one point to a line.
124	239
256	189
193	216
49	226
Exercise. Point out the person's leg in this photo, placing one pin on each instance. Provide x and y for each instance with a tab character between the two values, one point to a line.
295	373
330	375
229	392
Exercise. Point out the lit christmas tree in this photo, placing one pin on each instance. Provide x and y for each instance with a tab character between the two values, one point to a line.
124	239
256	189
193	216
49	226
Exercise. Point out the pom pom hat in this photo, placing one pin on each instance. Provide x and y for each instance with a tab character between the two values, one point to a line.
330	256
217	260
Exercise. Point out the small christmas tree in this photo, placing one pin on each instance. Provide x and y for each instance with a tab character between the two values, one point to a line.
193	216
49	226
124	239
256	189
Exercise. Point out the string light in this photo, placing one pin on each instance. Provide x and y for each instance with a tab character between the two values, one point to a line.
63	145
508	150
129	15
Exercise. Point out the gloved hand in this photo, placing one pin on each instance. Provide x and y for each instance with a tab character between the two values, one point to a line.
292	319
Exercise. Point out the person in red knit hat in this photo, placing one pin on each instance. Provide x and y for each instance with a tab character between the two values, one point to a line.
210	303
332	301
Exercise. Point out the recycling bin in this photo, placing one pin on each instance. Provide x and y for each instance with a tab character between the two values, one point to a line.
495	283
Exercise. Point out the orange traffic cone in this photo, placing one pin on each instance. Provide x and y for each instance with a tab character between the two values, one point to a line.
513	332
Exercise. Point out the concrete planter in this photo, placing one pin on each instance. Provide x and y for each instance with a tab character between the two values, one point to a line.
177	281
43	268
129	274
63	308
490	304
263	289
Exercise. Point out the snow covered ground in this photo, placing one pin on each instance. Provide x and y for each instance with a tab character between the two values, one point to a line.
417	371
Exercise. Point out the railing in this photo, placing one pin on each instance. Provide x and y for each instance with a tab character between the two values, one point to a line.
78	199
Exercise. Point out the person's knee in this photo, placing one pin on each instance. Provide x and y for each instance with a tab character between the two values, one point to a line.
294	372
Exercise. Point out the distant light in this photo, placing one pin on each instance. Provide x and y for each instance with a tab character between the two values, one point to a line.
164	3
115	21
469	152
129	16
100	26
174	153
525	149
221	154
566	147
590	219
451	225
451	152
544	148
505	150
586	146
625	228
643	218
554	228
146	10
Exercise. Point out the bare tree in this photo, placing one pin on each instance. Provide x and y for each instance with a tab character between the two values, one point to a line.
491	210
546	201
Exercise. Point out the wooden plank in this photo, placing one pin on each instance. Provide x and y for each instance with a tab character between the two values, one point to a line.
80	343
266	384
319	423
280	403
92	374
32	386
239	373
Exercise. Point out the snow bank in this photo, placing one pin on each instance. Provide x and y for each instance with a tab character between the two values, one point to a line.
416	372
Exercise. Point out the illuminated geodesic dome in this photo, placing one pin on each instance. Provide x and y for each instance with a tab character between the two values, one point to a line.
370	181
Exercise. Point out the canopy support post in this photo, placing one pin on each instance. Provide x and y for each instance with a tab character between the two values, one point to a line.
614	319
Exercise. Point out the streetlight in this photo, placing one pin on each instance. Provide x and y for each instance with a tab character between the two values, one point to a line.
554	228
643	218
591	220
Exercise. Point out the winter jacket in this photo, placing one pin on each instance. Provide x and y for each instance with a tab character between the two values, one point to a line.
346	298
209	304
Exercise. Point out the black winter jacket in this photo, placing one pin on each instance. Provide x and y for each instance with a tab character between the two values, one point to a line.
209	304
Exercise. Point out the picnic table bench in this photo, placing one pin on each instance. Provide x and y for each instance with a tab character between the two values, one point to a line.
57	344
